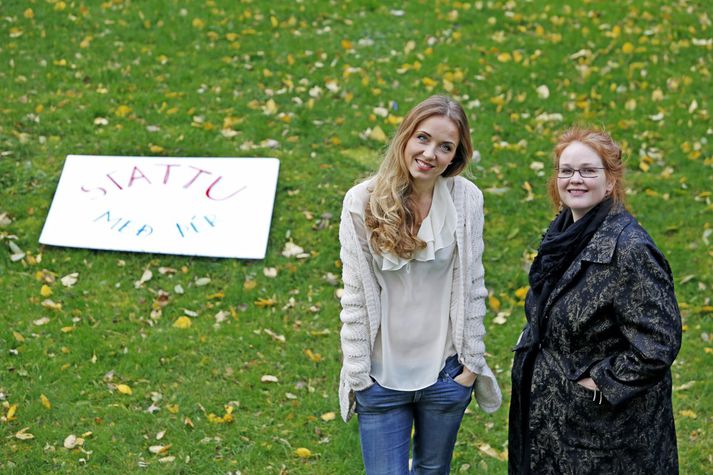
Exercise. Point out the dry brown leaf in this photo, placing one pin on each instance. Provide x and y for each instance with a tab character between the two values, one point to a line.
275	336
72	441
202	281
159	449
328	416
41	321
70	279
22	434
145	277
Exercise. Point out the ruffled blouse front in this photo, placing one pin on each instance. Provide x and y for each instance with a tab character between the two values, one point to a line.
414	337
438	230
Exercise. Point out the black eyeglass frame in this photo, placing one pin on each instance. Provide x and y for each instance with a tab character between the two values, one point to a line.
578	170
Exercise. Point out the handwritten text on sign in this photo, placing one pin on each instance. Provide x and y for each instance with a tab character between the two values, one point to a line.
219	207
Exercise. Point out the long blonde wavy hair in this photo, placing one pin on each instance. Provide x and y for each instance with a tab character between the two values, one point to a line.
390	214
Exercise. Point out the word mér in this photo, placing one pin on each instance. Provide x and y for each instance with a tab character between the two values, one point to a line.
138	176
121	224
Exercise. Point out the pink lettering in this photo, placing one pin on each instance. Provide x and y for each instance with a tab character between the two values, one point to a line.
137	174
98	188
200	172
108	175
168	171
210	188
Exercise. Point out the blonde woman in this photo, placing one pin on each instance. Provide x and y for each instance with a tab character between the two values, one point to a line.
414	296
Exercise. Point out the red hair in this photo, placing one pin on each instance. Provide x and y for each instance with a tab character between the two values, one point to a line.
607	149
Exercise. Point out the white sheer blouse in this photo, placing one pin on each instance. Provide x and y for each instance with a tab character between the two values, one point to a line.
414	337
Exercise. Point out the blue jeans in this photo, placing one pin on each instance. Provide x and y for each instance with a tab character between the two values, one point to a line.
387	416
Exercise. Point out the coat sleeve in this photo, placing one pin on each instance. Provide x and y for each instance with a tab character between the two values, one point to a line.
648	318
486	389
355	338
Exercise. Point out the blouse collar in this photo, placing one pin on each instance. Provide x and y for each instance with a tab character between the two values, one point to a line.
437	229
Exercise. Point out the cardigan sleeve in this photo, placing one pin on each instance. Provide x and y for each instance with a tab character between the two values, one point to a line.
487	391
355	338
648	318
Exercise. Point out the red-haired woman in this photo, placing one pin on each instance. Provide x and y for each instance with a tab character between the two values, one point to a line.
591	378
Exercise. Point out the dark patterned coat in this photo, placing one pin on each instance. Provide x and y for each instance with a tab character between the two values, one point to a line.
613	317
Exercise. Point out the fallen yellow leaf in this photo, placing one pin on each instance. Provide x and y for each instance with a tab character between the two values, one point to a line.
303	453
45	402
45	291
521	293
122	111
11	412
377	134
123	389
249	284
688	413
494	303
265	302
18	337
183	323
270	107
429	83
226	418
315	357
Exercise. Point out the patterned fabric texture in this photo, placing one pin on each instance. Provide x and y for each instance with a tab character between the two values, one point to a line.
613	317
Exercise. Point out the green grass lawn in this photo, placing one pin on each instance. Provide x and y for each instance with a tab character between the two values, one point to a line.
312	82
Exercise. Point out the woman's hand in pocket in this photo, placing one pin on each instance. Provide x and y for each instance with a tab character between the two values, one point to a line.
588	383
466	378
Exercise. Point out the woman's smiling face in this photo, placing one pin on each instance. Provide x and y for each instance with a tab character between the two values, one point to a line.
431	148
577	193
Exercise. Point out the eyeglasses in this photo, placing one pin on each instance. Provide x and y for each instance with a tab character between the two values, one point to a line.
587	172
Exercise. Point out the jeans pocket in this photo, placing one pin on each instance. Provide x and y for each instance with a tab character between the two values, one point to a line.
453	380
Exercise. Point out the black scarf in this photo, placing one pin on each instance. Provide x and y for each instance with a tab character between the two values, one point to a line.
564	240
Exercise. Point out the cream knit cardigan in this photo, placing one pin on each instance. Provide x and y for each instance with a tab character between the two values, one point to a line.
361	301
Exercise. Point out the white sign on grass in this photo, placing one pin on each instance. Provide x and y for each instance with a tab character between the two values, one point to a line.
217	207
